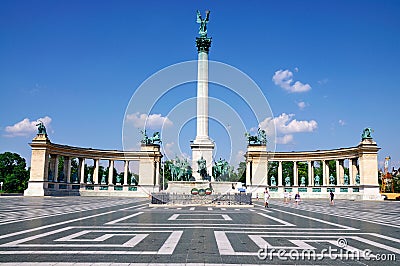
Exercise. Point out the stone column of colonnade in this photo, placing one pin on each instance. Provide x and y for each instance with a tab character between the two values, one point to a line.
96	171
126	172
53	168
280	176
81	170
110	171
67	169
340	173
338	176
326	174
352	170
310	170
295	174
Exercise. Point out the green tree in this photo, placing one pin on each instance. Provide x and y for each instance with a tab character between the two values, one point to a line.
61	168
13	172
318	170
241	172
332	168
287	170
302	170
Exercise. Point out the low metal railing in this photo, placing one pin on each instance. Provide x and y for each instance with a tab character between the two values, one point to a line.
213	199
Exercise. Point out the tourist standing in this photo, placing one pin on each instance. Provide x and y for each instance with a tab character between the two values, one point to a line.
285	197
266	198
331	195
297	198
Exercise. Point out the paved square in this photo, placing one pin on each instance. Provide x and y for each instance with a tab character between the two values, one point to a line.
107	231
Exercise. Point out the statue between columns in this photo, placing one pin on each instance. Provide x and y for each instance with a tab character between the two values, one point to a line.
316	180
287	181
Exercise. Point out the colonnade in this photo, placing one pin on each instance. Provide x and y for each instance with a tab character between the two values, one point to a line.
311	176
53	172
362	177
45	178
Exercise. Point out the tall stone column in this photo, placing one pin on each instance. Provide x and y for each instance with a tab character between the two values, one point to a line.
295	174
280	181
202	146
81	170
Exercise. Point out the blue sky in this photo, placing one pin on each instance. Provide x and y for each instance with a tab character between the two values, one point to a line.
327	69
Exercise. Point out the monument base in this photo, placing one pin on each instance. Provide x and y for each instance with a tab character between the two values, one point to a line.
185	187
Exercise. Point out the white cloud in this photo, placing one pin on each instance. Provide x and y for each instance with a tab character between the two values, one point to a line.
285	126
284	79
301	105
284	139
153	121
296	69
26	127
342	122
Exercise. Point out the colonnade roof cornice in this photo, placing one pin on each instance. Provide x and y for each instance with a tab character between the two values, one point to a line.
90	153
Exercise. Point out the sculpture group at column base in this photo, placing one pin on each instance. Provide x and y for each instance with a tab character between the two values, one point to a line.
202	149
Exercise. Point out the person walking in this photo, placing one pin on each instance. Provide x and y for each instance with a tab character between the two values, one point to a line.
297	198
285	197
331	195
266	198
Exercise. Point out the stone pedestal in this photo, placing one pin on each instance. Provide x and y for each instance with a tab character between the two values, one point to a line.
37	185
199	150
257	165
149	174
368	169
